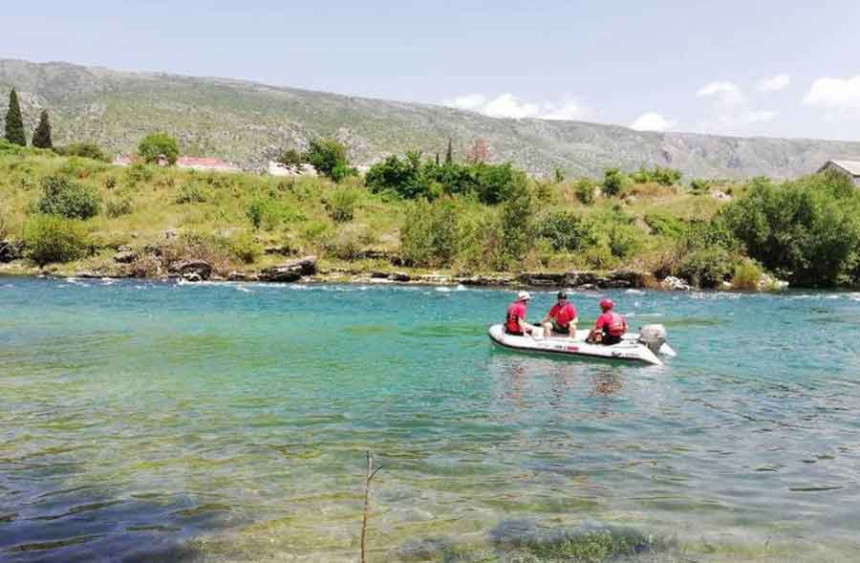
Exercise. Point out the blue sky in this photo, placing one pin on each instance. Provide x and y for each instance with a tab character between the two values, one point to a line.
730	67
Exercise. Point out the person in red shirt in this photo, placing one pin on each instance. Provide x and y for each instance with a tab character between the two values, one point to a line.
561	318
610	326
515	321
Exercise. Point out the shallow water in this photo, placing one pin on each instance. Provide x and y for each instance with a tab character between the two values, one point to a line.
230	422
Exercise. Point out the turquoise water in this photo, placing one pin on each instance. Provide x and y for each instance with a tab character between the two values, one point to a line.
230	422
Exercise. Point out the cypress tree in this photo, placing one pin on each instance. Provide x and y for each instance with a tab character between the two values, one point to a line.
15	122
42	134
449	156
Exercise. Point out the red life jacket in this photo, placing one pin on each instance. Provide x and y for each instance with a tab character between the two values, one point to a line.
516	311
614	324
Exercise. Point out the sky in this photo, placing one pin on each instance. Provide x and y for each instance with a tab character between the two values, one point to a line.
752	67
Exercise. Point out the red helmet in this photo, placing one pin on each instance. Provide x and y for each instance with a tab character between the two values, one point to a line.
606	304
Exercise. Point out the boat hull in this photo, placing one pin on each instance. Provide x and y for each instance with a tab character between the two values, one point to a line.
628	350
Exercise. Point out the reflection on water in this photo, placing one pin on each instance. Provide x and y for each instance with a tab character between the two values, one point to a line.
158	421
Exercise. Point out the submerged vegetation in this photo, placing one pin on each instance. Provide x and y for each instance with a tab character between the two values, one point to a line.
466	217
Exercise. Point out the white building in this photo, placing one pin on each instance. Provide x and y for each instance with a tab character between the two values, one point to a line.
850	168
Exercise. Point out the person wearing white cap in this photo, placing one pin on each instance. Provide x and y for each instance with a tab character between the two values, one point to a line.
515	321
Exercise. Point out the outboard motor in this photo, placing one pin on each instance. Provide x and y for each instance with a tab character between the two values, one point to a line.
653	336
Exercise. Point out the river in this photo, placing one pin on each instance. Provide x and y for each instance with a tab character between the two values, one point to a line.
143	420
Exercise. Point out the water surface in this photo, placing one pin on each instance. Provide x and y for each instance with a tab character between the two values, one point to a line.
230	422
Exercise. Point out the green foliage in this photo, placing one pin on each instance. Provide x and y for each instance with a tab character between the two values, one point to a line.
449	154
707	267
119	206
341	203
559	175
245	248
806	231
42	134
411	178
584	190
566	230
291	158
192	192
50	238
658	174
66	198
158	144
329	158
746	275
613	182
625	240
139	173
700	186
429	233
15	121
83	150
666	225
517	217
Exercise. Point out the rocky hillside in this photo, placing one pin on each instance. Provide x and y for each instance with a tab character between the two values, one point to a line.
248	123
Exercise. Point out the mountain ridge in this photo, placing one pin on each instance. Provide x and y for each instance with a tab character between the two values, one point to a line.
250	122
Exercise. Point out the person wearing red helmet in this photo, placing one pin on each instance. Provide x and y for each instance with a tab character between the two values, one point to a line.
610	326
515	320
561	318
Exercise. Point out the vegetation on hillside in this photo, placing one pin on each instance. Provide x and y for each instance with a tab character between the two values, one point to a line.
459	216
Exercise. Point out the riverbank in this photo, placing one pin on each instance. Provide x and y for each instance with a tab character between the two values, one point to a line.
79	217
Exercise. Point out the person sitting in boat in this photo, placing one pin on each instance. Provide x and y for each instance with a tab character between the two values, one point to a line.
515	322
610	326
561	318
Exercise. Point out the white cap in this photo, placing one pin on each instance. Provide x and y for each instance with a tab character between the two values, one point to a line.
523	296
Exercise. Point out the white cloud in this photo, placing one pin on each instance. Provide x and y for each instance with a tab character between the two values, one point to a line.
652	121
726	92
509	106
730	112
835	94
773	83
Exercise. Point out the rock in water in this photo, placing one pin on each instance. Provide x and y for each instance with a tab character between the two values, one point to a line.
201	269
291	271
675	284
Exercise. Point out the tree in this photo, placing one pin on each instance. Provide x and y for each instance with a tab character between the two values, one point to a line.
328	156
158	144
479	152
449	156
42	134
15	121
292	159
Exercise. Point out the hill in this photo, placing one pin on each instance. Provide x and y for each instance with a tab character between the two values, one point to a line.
249	123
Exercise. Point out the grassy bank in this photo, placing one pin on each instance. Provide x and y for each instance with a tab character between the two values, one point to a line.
75	214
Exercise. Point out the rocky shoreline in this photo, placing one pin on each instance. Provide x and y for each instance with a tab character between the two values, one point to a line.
130	265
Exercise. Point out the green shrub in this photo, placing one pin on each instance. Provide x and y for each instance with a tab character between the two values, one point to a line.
625	240
341	203
658	174
158	144
191	192
119	206
566	230
517	217
245	248
329	158
700	186
706	268
806	231
83	150
139	172
584	190
746	275
429	236
50	238
267	214
666	225
349	241
67	198
613	182
291	158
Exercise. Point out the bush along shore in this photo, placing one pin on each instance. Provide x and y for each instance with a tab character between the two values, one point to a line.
412	219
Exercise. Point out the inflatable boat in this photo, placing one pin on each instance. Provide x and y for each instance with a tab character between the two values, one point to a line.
642	348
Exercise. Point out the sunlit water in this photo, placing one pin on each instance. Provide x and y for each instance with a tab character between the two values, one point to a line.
230	422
